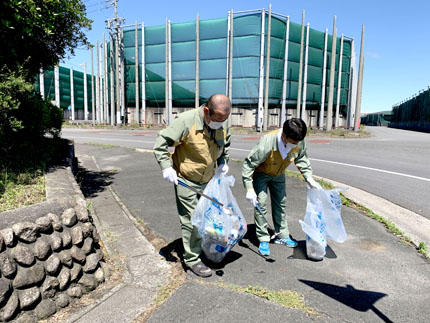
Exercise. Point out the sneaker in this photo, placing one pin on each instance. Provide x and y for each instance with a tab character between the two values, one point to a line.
286	242
264	248
200	269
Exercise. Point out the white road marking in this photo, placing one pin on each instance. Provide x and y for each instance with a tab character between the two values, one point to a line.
313	159
371	168
107	139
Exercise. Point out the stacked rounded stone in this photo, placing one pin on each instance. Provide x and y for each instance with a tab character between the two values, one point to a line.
44	264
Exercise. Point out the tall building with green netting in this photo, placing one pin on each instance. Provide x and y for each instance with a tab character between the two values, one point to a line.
164	70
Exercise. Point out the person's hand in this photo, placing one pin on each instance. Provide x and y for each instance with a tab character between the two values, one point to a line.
251	197
170	175
223	168
312	184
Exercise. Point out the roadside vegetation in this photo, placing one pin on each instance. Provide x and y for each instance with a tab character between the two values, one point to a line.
37	34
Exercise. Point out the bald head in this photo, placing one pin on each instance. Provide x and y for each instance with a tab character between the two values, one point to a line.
219	104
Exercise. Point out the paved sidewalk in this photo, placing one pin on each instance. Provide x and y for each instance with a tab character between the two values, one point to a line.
144	270
372	277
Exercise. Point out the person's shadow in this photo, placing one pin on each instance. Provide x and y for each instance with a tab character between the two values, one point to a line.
359	300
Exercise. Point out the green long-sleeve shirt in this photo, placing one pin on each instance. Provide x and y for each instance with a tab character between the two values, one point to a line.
265	158
197	148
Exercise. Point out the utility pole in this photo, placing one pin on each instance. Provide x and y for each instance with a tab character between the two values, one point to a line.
114	26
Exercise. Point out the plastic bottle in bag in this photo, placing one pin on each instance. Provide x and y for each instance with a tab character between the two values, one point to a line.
314	250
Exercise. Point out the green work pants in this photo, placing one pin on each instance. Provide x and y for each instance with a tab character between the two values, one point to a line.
186	201
278	196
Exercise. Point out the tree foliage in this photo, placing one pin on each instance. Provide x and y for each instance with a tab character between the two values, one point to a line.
34	34
39	33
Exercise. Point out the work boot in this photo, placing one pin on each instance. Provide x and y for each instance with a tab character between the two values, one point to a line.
200	269
286	242
264	248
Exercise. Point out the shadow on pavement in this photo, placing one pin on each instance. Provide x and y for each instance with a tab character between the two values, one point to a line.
359	300
300	252
92	182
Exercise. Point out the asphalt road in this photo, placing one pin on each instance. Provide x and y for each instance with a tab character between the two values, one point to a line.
392	163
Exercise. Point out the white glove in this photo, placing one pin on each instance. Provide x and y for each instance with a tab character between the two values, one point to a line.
312	184
170	175
251	197
223	168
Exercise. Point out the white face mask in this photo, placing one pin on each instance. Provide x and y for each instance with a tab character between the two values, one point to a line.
215	125
290	145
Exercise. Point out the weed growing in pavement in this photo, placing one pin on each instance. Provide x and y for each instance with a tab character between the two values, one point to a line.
286	298
89	205
101	145
422	249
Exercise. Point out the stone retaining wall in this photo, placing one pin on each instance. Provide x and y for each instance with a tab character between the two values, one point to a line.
49	258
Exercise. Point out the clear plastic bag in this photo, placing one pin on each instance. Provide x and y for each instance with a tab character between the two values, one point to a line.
219	231
322	220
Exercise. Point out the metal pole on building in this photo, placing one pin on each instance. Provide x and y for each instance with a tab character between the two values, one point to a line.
92	87
170	73
118	104
105	83
230	69
143	110
284	79
57	85
299	84
112	85
122	80
323	89
339	84
197	78
97	83
352	91
228	54
85	93
42	83
166	71
136	69
305	77
266	81
260	108
72	94
331	82
360	84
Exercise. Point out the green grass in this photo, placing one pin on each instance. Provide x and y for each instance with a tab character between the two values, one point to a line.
18	189
101	145
285	298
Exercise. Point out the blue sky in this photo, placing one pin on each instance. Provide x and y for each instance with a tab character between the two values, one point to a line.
396	44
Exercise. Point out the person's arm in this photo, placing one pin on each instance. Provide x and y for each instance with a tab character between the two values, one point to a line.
168	137
256	157
302	161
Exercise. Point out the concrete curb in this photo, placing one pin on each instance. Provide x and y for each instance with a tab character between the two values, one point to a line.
144	271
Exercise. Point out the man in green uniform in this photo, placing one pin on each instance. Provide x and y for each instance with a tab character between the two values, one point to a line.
264	168
201	138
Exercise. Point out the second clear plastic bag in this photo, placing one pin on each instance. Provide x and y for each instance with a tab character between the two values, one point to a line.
322	220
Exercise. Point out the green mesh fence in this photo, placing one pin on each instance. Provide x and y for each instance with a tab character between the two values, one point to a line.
65	87
246	62
213	64
413	114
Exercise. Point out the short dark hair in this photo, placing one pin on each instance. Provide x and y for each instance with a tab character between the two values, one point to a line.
295	129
